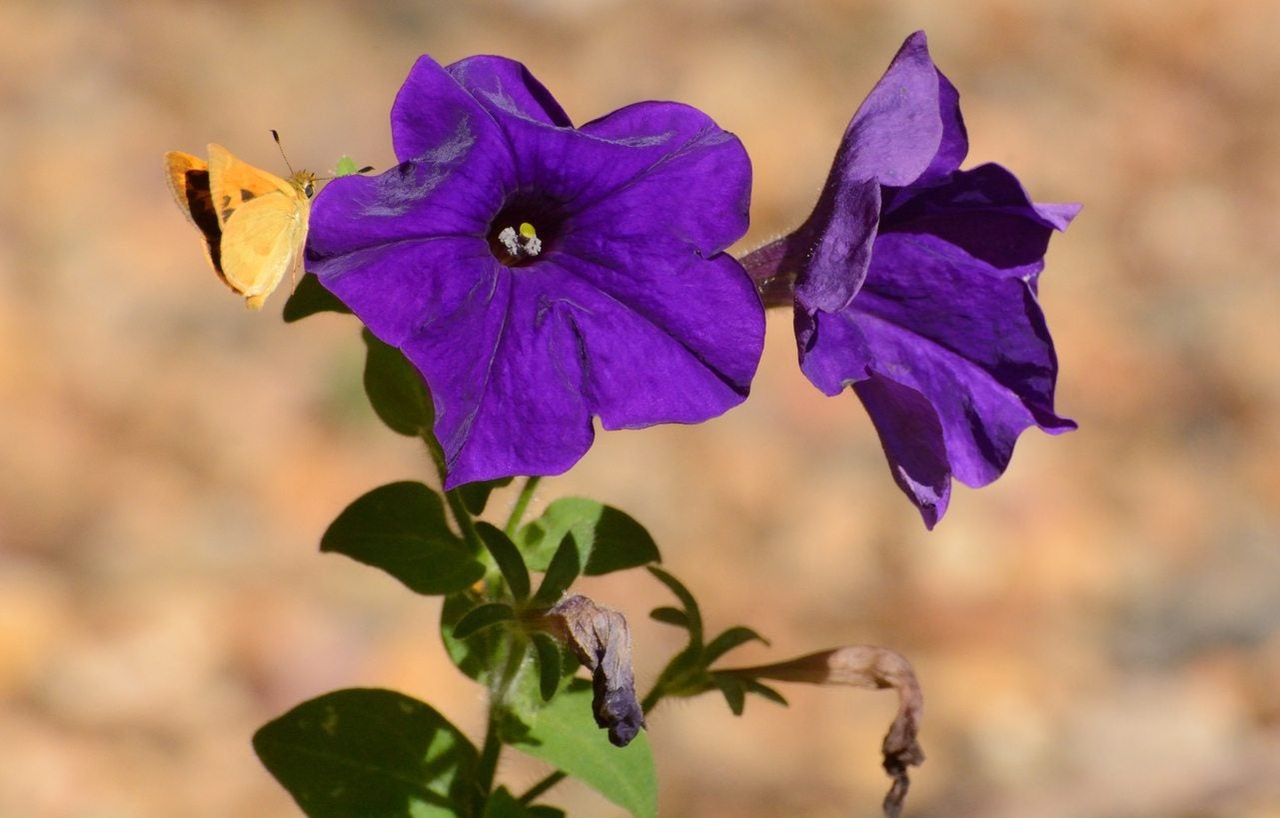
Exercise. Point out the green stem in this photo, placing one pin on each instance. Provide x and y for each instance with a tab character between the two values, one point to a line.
462	517
522	505
489	753
542	786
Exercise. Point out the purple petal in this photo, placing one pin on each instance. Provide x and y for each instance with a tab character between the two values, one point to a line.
840	233
434	117
974	345
506	375
497	82
664	163
983	213
453	195
397	288
692	180
907	131
911	435
953	146
908	125
668	345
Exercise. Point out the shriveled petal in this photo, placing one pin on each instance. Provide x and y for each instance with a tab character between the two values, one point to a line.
983	213
907	131
973	344
663	342
911	435
498	82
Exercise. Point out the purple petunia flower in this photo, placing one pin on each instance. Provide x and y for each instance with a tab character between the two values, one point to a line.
916	285
538	274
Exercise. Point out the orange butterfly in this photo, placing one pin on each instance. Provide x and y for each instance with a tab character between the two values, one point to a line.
254	223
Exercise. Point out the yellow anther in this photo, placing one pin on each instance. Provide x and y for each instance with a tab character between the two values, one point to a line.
527	231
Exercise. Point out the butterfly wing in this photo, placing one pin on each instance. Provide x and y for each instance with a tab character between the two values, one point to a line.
234	183
188	178
261	241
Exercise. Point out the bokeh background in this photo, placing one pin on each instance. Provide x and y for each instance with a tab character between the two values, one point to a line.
1098	633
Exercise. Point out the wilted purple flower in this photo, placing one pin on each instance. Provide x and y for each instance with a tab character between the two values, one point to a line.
538	274
916	285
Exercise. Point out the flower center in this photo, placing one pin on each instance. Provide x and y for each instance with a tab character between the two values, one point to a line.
526	229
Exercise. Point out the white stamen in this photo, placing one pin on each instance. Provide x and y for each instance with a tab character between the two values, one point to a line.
509	241
533	245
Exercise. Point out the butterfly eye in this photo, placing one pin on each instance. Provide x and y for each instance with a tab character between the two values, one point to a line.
309	189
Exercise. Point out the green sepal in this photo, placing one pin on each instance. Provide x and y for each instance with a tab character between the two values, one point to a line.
309	298
346	167
401	529
482	616
608	539
564	734
761	689
396	390
563	570
693	615
508	559
475	496
734	691
670	616
479	655
369	753
550	664
729	640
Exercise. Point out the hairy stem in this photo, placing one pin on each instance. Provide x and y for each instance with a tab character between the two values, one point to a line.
522	505
489	754
461	517
773	267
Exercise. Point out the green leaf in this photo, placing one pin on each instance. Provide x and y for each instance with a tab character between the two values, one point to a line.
482	616
729	640
309	298
692	614
365	753
550	664
503	804
565	734
400	528
608	540
475	496
670	616
396	390
561	573
346	167
507	556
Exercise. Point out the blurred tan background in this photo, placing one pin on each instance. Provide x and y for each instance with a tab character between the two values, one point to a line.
1098	633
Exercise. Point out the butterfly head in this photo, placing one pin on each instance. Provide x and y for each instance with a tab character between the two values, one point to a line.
304	181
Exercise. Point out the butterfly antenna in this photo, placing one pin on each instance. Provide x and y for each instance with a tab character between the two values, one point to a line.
276	136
